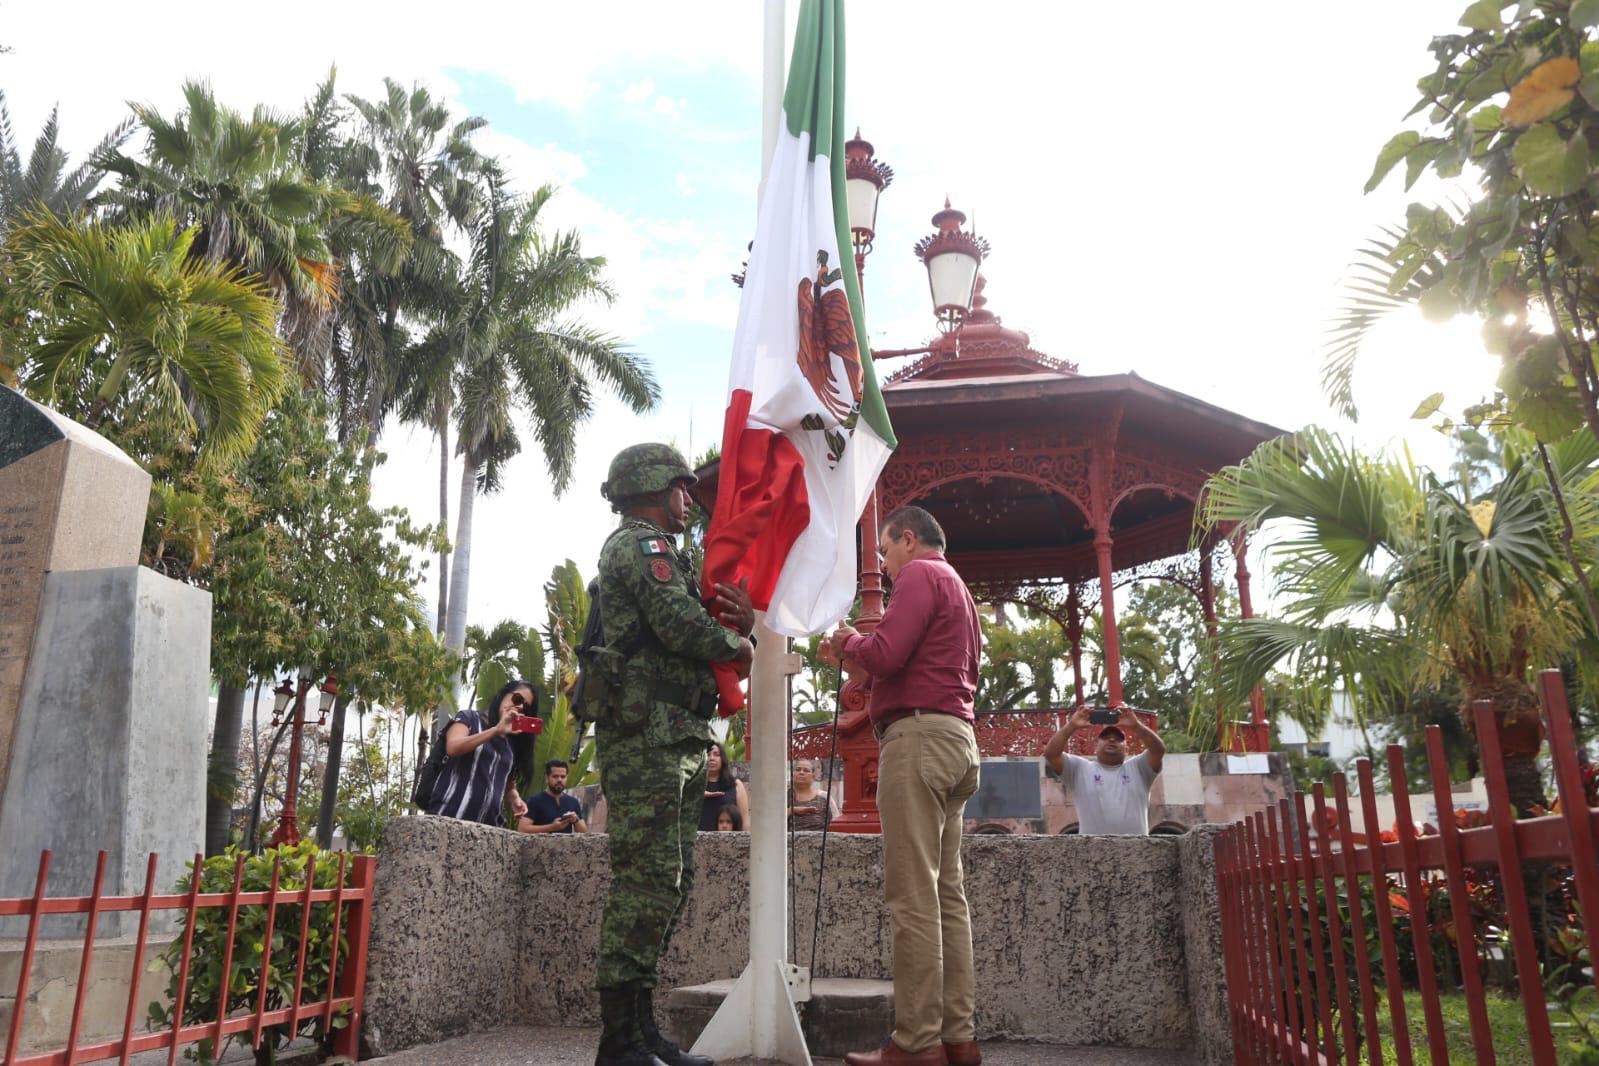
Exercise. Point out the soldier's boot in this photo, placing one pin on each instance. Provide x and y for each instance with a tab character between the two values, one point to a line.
619	1030
663	1048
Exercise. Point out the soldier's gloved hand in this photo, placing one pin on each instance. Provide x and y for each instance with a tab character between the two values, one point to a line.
733	606
746	656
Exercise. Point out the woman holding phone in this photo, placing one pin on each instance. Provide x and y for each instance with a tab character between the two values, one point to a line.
489	752
722	789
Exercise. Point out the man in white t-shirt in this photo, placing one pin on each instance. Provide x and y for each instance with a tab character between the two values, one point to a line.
1110	790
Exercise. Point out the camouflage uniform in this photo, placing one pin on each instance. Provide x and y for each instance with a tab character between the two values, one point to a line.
653	737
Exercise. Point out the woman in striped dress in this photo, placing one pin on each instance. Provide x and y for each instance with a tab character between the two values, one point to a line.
484	750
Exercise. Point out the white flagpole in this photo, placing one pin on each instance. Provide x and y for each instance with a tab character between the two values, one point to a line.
758	1018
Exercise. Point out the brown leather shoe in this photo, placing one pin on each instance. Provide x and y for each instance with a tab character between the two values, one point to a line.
891	1054
964	1054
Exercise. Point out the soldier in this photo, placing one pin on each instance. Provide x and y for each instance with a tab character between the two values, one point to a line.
653	728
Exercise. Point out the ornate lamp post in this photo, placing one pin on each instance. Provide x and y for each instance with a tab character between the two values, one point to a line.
865	178
288	831
952	257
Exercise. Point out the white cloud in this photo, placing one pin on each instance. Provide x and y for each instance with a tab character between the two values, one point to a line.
638	92
669	108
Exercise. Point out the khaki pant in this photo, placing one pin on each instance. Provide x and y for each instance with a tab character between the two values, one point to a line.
927	770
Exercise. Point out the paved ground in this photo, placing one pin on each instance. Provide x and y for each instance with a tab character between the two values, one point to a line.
575	1047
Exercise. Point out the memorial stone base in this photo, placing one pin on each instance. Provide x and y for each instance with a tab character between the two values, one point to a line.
109	751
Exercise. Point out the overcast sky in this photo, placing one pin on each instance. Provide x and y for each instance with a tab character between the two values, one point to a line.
1170	188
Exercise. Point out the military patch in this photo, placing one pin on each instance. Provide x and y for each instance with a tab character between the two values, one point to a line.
661	570
650	545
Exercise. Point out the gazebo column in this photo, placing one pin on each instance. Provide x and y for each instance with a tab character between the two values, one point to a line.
1257	695
1207	603
1074	633
1107	617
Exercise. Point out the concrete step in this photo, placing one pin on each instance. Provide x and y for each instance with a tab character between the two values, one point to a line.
843	1014
566	1047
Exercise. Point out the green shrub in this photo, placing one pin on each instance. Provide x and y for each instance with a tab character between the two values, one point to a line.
202	995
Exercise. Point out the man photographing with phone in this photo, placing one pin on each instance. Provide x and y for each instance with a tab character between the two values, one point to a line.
553	810
1110	790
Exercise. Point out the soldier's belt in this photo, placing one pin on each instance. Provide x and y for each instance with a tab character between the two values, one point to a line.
703	704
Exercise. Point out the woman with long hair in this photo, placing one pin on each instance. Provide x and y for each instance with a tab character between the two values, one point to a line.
487	758
722	789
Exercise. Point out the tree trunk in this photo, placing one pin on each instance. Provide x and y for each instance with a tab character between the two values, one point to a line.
330	773
461	563
444	517
253	831
255	729
222	775
1524	783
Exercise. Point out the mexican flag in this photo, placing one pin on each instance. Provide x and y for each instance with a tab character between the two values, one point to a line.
806	432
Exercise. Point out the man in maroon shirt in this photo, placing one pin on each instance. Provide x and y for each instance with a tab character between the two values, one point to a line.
923	662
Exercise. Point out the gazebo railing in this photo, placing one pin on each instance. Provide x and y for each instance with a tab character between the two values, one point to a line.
1022	731
1302	972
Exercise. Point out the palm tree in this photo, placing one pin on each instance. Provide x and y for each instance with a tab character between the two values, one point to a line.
516	352
1391	579
371	246
44	182
131	315
428	164
239	181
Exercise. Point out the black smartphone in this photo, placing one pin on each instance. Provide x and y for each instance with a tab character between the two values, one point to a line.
1102	716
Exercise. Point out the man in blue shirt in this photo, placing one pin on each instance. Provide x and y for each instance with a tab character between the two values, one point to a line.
553	811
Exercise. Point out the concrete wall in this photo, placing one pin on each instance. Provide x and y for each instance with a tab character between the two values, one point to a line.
1079	940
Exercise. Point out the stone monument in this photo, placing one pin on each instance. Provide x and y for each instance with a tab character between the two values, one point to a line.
104	672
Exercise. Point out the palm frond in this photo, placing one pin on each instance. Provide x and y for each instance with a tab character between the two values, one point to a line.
1388	275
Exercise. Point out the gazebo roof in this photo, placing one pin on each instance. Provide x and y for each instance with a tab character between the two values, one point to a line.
1000	442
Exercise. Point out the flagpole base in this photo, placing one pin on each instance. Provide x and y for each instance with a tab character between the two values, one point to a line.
758	1019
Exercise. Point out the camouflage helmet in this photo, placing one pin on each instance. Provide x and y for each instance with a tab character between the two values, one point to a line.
644	469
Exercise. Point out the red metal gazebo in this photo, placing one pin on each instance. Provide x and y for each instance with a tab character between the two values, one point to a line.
1055	488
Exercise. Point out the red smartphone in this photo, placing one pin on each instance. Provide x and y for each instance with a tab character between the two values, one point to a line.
527	724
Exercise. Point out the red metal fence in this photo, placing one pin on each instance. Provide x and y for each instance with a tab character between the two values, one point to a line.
352	913
1296	995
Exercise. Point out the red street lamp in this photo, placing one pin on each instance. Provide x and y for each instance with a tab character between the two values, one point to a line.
288	831
952	257
865	178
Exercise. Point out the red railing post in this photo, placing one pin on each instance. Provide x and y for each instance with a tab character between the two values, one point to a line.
1392	981
266	948
1416	896
1335	926
333	943
179	1003
299	960
1287	940
138	959
1318	951
1580	821
352	982
85	964
226	981
1517	906
1265	1012
1482	1040
1237	987
1256	974
1357	920
34	918
1310	1030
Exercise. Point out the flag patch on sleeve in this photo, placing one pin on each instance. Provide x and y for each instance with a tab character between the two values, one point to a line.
654	546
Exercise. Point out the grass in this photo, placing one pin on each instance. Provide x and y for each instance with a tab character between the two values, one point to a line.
1506	1023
